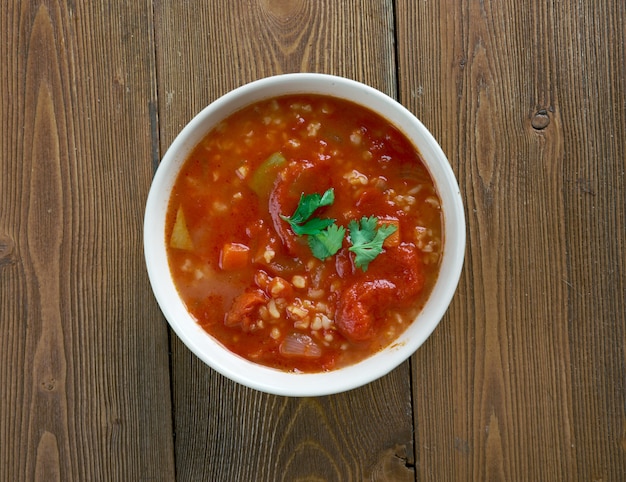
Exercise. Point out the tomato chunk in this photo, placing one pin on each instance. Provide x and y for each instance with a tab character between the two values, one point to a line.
244	309
360	307
403	266
397	281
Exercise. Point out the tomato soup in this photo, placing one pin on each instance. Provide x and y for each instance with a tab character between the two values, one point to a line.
304	233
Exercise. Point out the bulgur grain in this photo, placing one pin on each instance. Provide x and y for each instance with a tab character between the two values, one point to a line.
326	322
301	324
273	309
316	293
277	286
299	281
316	324
219	207
313	128
321	307
264	312
261	279
269	255
355	138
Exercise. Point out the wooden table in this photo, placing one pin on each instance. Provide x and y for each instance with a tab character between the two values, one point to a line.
525	378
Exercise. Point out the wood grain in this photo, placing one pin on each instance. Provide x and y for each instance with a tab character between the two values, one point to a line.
534	341
525	379
203	50
83	351
241	434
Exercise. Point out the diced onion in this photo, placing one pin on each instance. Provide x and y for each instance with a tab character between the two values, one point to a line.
300	345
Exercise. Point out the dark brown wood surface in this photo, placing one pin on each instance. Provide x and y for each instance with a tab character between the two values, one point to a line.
525	378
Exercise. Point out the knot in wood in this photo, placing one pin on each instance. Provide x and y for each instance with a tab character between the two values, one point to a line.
540	120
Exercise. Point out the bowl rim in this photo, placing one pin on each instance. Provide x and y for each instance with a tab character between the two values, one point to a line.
267	379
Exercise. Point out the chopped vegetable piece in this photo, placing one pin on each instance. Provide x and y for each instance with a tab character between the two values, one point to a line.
234	256
358	306
264	176
180	238
244	308
300	345
367	241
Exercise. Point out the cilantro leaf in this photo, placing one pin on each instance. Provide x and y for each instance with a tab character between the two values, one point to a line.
367	240
312	227
308	204
327	242
364	231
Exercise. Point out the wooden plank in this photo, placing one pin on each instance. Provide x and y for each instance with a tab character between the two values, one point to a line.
224	431
594	191
528	101
83	350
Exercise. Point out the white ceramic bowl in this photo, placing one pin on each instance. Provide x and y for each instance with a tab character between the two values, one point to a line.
268	379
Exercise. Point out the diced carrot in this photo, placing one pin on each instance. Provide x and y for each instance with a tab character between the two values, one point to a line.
180	238
234	256
394	238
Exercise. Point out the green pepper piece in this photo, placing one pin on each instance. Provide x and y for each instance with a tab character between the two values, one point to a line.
262	179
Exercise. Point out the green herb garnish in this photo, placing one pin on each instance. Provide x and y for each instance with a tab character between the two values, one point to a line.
326	243
312	227
367	240
307	205
325	238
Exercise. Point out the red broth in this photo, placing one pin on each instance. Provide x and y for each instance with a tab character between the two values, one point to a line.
252	283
